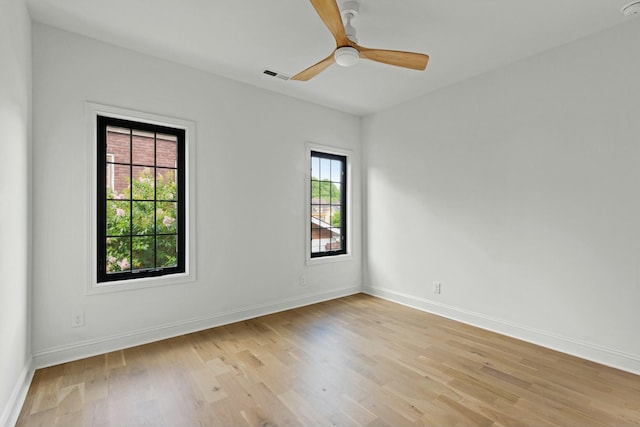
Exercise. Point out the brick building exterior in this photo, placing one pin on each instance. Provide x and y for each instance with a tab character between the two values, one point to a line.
139	153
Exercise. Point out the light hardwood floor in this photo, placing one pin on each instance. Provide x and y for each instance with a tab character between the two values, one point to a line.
355	361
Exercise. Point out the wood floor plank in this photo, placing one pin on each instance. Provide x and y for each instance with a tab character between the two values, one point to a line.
357	361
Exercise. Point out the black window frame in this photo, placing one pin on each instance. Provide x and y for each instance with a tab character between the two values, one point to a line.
102	123
343	203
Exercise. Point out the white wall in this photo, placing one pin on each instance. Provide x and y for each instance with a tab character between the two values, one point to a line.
15	104
519	191
251	168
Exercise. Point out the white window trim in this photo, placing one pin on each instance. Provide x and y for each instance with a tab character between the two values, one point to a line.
310	146
92	111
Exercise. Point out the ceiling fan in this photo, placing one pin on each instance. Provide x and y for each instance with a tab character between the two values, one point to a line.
348	51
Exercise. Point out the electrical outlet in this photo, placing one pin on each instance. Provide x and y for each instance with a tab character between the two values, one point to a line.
77	319
436	287
303	281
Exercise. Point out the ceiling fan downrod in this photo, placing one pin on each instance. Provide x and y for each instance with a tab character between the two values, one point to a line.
350	11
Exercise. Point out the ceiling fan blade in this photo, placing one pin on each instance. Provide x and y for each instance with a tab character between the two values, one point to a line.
315	69
416	61
329	12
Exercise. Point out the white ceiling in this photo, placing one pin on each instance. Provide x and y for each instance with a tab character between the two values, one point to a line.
238	39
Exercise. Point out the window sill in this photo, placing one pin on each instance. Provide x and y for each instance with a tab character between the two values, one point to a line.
329	259
142	283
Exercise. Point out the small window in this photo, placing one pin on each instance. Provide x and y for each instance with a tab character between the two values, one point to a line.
140	200
328	204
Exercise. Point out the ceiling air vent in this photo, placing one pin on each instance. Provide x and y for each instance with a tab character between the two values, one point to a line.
276	74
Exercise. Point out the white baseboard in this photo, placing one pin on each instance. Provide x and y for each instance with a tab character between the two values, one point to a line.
584	350
80	350
11	411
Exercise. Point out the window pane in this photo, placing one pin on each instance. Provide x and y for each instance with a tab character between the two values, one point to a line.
336	219
315	168
111	170
315	241
320	191
322	238
143	148
336	190
167	251
143	216
324	215
118	255
336	170
314	223
143	250
323	241
143	183
166	150
166	214
120	182
335	243
166	184
118	144
118	223
325	169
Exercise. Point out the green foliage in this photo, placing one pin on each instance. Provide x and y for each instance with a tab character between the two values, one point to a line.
325	190
336	219
133	232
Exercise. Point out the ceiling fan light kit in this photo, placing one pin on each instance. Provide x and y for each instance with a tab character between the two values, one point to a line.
346	56
632	8
348	51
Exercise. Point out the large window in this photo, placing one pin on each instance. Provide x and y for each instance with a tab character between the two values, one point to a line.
328	204
140	200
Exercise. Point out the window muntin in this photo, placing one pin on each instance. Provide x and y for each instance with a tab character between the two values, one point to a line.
141	200
328	190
